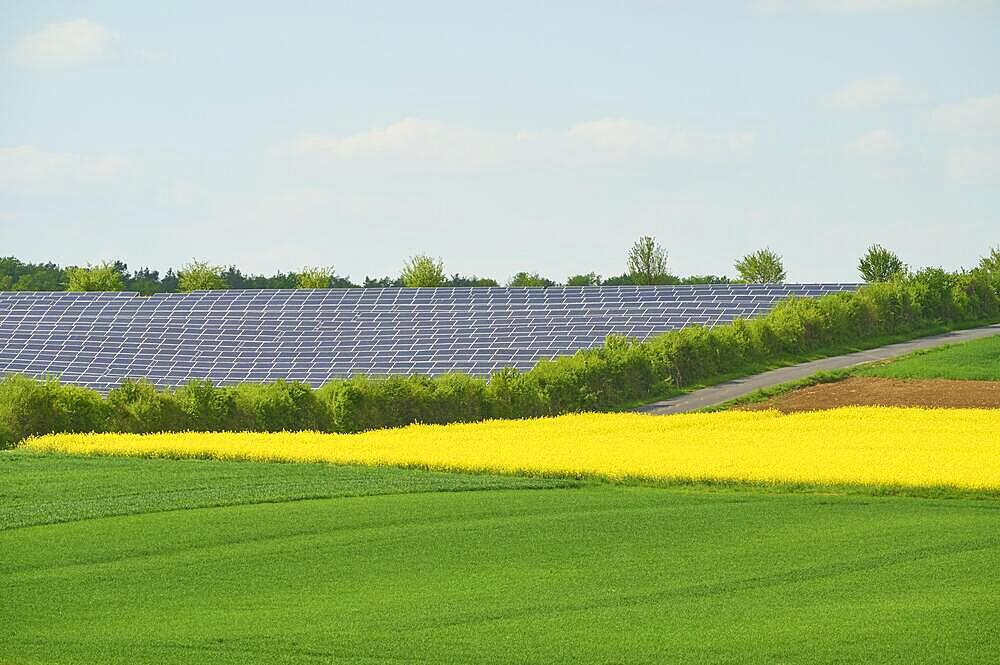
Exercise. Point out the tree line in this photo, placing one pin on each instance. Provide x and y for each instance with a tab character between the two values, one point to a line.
646	264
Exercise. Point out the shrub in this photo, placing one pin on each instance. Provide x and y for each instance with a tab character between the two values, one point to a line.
761	267
137	406
104	277
880	265
201	276
471	280
512	394
620	372
315	278
933	293
590	279
525	279
456	398
647	262
30	407
363	403
281	406
989	269
705	279
423	271
991	262
975	295
206	407
619	280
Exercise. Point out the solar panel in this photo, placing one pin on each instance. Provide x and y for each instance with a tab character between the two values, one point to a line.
96	339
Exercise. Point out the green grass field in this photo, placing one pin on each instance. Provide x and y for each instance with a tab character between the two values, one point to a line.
110	560
976	360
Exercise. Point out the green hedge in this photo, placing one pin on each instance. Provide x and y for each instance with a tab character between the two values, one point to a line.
620	373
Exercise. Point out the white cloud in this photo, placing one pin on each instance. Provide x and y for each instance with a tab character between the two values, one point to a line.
418	140
624	135
66	44
26	168
429	143
979	115
877	143
871	93
848	6
975	166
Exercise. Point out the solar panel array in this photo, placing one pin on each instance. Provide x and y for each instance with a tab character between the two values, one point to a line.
99	339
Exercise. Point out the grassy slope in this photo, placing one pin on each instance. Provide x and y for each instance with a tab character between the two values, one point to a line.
796	358
595	573
976	360
43	489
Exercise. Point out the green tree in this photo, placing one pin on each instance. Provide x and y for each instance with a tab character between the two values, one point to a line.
382	282
423	271
15	275
991	263
761	267
647	262
200	276
145	281
705	279
618	280
315	278
471	280
880	265
590	279
103	277
529	279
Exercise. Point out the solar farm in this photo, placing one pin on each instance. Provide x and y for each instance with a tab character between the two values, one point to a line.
451	475
312	336
492	333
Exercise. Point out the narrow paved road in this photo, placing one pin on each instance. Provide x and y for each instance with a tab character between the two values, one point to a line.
724	392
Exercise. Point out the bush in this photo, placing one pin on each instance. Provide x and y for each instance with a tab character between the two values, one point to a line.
932	289
104	277
761	267
363	403
590	279
991	262
880	265
512	394
976	295
620	372
525	279
456	398
201	276
423	271
137	406
647	262
208	408
31	407
280	406
315	278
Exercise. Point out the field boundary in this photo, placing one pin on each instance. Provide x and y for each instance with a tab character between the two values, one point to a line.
732	390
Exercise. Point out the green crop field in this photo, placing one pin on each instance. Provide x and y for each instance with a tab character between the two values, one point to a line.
109	560
976	360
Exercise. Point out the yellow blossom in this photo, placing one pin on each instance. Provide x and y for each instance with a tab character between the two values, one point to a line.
857	445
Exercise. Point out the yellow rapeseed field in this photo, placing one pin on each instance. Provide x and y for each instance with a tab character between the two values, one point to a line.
863	445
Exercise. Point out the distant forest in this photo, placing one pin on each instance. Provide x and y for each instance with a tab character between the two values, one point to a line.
17	275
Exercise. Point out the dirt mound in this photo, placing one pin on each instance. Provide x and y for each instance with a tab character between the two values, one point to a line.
871	391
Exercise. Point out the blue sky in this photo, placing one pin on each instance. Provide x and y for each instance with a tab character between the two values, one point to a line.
501	136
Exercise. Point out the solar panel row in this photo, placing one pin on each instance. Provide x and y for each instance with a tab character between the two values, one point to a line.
99	339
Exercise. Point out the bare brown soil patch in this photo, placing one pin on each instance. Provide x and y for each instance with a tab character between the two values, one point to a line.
873	391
